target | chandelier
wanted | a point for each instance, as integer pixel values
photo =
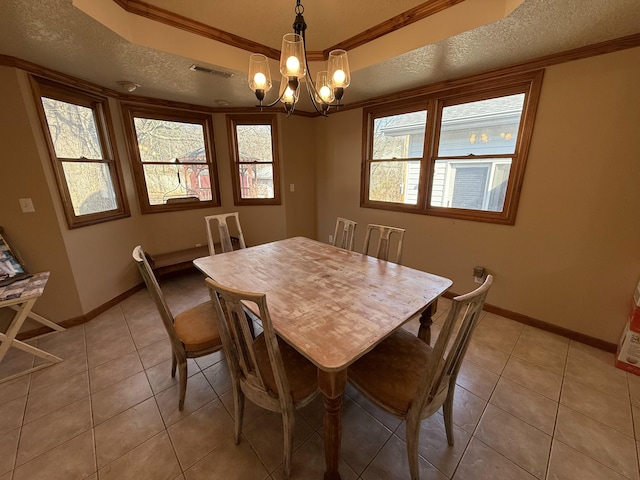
(329, 85)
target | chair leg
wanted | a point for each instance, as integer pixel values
(447, 410)
(238, 407)
(174, 364)
(182, 366)
(288, 424)
(413, 439)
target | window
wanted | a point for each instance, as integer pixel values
(78, 132)
(173, 158)
(254, 159)
(457, 153)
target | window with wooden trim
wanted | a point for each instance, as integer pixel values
(254, 159)
(458, 153)
(172, 157)
(79, 135)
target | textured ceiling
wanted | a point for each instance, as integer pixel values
(57, 35)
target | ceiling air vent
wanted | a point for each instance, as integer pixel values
(220, 73)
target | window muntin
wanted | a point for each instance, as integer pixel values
(172, 157)
(78, 133)
(254, 159)
(468, 164)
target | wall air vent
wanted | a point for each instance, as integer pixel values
(220, 73)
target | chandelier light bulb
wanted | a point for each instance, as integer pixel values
(293, 66)
(259, 80)
(325, 93)
(339, 77)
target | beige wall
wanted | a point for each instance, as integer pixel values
(572, 259)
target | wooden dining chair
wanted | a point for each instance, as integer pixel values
(385, 236)
(192, 333)
(226, 240)
(344, 233)
(266, 369)
(411, 380)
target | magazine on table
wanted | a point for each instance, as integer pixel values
(11, 266)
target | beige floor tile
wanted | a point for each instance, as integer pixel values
(73, 460)
(362, 436)
(199, 393)
(7, 476)
(15, 362)
(543, 350)
(534, 377)
(308, 462)
(153, 460)
(160, 375)
(598, 441)
(209, 360)
(481, 462)
(109, 350)
(530, 407)
(476, 379)
(146, 329)
(602, 377)
(54, 429)
(106, 327)
(219, 377)
(486, 356)
(608, 409)
(120, 396)
(12, 414)
(57, 395)
(590, 354)
(155, 353)
(314, 412)
(634, 389)
(521, 443)
(434, 447)
(65, 344)
(114, 371)
(392, 464)
(636, 421)
(56, 373)
(498, 332)
(251, 410)
(8, 450)
(127, 430)
(388, 420)
(467, 409)
(267, 438)
(569, 464)
(229, 461)
(13, 389)
(196, 435)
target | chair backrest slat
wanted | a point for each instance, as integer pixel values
(344, 233)
(384, 241)
(223, 222)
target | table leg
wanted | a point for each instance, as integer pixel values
(332, 386)
(426, 319)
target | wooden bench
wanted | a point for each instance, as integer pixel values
(178, 260)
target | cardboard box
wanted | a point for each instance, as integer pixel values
(628, 354)
(635, 310)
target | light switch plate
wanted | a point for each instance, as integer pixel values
(26, 204)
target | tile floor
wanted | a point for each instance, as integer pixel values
(529, 405)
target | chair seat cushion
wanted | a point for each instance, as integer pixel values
(197, 328)
(390, 373)
(301, 373)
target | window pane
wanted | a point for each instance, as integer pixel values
(90, 187)
(73, 129)
(256, 181)
(394, 182)
(487, 127)
(174, 181)
(166, 141)
(254, 144)
(472, 185)
(399, 136)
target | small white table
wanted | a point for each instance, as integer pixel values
(21, 296)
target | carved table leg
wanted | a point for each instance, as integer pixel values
(424, 332)
(332, 386)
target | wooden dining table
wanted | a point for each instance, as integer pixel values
(331, 305)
